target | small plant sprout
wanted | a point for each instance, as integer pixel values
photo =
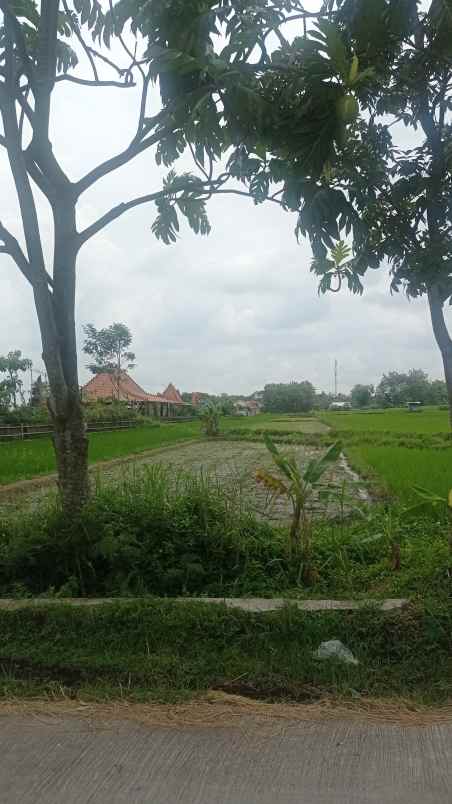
(299, 486)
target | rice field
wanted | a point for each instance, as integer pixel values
(399, 469)
(22, 460)
(398, 420)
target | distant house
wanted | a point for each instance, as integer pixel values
(247, 407)
(113, 387)
(198, 397)
(414, 406)
(340, 406)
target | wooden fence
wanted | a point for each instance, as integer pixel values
(22, 432)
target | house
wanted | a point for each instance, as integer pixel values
(340, 406)
(247, 407)
(113, 387)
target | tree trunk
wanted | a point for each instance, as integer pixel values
(71, 450)
(56, 314)
(443, 339)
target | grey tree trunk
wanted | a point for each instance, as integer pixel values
(71, 450)
(443, 339)
(57, 324)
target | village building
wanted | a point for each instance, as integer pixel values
(113, 387)
(247, 407)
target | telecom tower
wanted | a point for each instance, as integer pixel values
(335, 379)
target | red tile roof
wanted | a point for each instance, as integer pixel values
(106, 386)
(109, 386)
(172, 395)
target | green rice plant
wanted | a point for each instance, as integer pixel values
(429, 501)
(299, 487)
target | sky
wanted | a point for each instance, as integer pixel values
(225, 313)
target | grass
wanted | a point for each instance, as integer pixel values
(397, 420)
(164, 651)
(165, 534)
(20, 460)
(401, 468)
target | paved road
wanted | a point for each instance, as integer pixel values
(67, 760)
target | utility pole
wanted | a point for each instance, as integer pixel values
(335, 379)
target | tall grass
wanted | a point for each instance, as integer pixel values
(165, 534)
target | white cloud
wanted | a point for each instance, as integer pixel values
(225, 313)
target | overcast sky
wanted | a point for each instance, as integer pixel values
(229, 312)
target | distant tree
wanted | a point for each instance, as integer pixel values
(39, 393)
(438, 389)
(361, 395)
(398, 388)
(323, 401)
(13, 365)
(108, 347)
(293, 397)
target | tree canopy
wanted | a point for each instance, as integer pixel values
(13, 365)
(108, 347)
(397, 388)
(361, 395)
(292, 397)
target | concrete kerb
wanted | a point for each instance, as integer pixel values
(252, 604)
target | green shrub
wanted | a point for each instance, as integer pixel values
(161, 535)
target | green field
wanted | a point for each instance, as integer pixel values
(427, 420)
(20, 460)
(400, 468)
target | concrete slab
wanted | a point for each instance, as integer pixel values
(253, 604)
(50, 760)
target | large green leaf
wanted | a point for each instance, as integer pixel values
(316, 468)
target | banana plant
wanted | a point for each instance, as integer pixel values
(299, 487)
(210, 417)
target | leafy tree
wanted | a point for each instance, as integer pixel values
(13, 365)
(438, 391)
(39, 393)
(361, 395)
(172, 45)
(108, 348)
(293, 397)
(325, 117)
(396, 389)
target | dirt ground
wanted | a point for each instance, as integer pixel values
(233, 464)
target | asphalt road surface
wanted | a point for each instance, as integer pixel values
(71, 760)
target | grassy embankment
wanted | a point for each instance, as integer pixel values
(163, 651)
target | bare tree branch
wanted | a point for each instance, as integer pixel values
(86, 82)
(212, 187)
(135, 148)
(115, 213)
(45, 69)
(76, 28)
(132, 56)
(17, 161)
(144, 97)
(12, 247)
(97, 55)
